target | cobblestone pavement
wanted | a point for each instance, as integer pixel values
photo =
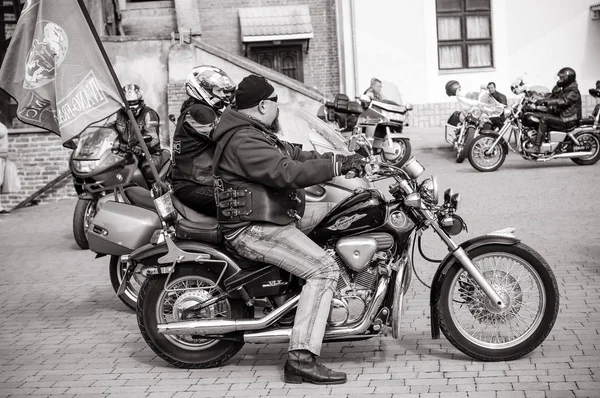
(64, 333)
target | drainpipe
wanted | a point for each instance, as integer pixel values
(345, 25)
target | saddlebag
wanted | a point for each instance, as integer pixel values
(119, 228)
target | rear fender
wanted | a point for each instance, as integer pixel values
(449, 261)
(502, 142)
(150, 256)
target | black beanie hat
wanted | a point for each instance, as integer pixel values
(251, 90)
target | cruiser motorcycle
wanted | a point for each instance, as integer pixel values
(493, 297)
(477, 111)
(382, 122)
(581, 143)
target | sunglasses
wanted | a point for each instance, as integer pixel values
(273, 98)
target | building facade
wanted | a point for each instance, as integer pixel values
(420, 45)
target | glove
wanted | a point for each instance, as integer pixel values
(355, 163)
(136, 150)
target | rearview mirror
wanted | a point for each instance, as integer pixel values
(365, 100)
(409, 107)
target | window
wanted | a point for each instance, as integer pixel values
(464, 32)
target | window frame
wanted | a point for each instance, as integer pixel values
(464, 42)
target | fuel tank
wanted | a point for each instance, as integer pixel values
(360, 212)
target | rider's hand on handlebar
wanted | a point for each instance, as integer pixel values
(136, 150)
(351, 166)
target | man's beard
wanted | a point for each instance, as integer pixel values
(275, 126)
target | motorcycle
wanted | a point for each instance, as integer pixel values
(478, 110)
(100, 164)
(492, 296)
(581, 143)
(124, 225)
(381, 121)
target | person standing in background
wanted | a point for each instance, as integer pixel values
(374, 91)
(498, 96)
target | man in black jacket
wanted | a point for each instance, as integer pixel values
(209, 89)
(259, 183)
(564, 104)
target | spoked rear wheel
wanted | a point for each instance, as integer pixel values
(483, 157)
(594, 142)
(189, 285)
(479, 329)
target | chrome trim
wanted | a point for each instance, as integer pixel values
(208, 327)
(283, 335)
(399, 291)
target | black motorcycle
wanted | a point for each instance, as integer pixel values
(101, 166)
(493, 297)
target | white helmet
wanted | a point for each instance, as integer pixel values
(209, 84)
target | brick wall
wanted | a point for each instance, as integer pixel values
(40, 158)
(221, 28)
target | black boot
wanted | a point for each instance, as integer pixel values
(302, 365)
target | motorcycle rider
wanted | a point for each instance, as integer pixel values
(148, 123)
(564, 104)
(209, 90)
(259, 183)
(374, 90)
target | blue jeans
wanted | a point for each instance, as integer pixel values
(288, 248)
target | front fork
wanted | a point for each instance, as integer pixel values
(462, 257)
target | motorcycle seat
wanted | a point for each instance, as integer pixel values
(140, 197)
(586, 121)
(315, 190)
(196, 226)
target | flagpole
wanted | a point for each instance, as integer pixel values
(133, 123)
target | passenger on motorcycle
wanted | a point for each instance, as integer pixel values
(374, 91)
(148, 123)
(564, 105)
(209, 90)
(259, 183)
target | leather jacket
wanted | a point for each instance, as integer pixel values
(566, 101)
(147, 121)
(258, 177)
(193, 148)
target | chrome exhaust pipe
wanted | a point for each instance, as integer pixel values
(283, 335)
(213, 326)
(568, 155)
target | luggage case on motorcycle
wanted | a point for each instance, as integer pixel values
(119, 228)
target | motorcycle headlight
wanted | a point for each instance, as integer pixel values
(84, 166)
(429, 190)
(476, 113)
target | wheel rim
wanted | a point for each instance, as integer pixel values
(481, 157)
(520, 287)
(401, 146)
(135, 282)
(171, 304)
(593, 141)
(88, 215)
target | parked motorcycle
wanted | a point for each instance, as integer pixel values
(581, 144)
(381, 121)
(493, 297)
(101, 165)
(477, 111)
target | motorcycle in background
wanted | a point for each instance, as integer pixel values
(382, 122)
(492, 296)
(101, 165)
(477, 111)
(581, 143)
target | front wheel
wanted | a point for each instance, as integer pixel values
(117, 272)
(481, 155)
(85, 210)
(189, 285)
(592, 140)
(526, 284)
(403, 150)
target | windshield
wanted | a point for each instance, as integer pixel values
(390, 93)
(322, 136)
(481, 99)
(94, 142)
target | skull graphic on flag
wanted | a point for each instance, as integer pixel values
(46, 54)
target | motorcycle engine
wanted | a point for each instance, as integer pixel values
(353, 294)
